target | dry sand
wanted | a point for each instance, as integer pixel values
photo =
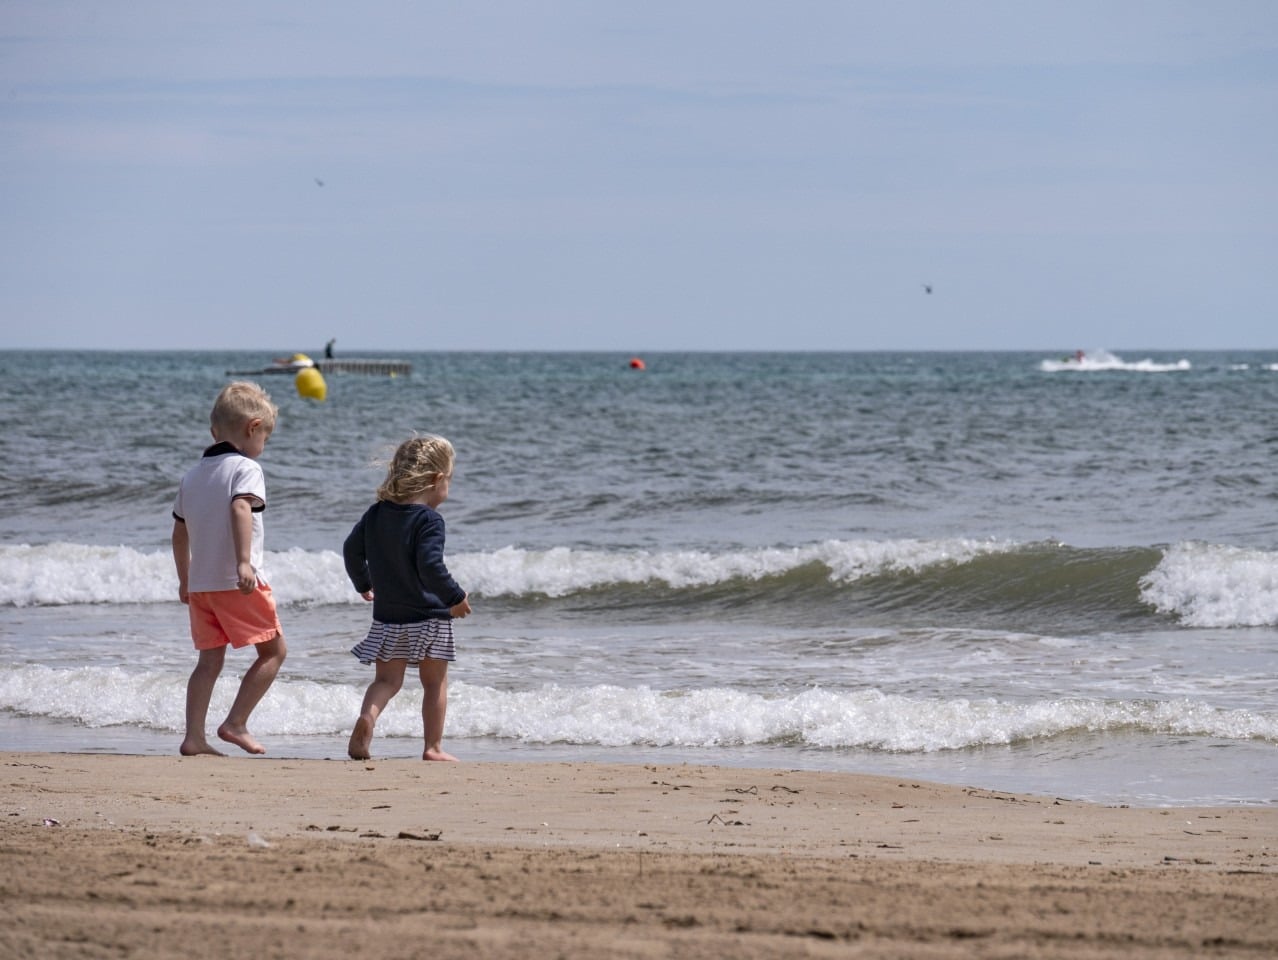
(121, 856)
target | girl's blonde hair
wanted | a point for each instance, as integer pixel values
(240, 402)
(416, 467)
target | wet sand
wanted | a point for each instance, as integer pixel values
(214, 857)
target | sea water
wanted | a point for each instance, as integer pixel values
(1013, 570)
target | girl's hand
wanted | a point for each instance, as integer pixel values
(460, 610)
(367, 594)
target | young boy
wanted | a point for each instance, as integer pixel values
(217, 546)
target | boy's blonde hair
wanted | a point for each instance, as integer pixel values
(416, 467)
(240, 402)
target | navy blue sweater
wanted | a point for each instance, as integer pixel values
(397, 551)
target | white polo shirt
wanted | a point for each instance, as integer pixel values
(204, 504)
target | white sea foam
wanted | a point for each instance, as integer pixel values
(106, 696)
(67, 573)
(63, 573)
(561, 571)
(613, 716)
(1102, 360)
(58, 574)
(1209, 585)
(1204, 585)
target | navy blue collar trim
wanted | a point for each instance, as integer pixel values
(218, 449)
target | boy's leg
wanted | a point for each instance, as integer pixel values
(386, 683)
(199, 691)
(434, 706)
(257, 680)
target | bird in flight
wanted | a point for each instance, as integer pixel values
(927, 288)
(319, 182)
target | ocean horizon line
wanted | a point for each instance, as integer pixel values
(352, 352)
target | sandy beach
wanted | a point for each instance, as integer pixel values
(210, 857)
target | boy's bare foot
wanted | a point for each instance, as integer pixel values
(361, 742)
(438, 755)
(240, 737)
(194, 748)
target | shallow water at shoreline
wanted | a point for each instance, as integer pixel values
(1095, 769)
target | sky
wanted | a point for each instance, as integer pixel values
(564, 175)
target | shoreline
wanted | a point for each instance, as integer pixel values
(1100, 769)
(517, 859)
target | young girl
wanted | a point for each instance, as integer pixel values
(395, 558)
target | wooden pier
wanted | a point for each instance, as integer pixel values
(370, 367)
(385, 368)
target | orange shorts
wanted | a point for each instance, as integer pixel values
(221, 617)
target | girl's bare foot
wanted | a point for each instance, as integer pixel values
(361, 742)
(240, 737)
(194, 748)
(438, 755)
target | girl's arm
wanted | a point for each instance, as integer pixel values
(355, 559)
(431, 568)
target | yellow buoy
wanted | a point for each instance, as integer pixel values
(310, 383)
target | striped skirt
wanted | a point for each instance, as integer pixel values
(414, 642)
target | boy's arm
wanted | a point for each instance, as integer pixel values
(182, 557)
(242, 536)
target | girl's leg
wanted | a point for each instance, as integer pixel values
(199, 691)
(434, 675)
(386, 683)
(257, 680)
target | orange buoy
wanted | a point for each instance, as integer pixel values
(636, 364)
